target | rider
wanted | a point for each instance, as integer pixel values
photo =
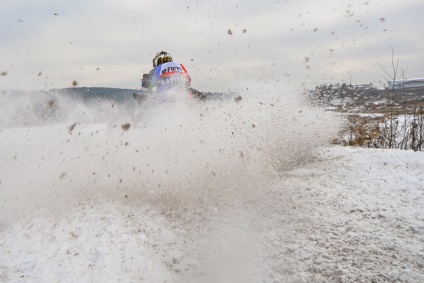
(165, 74)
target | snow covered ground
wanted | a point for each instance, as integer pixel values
(221, 192)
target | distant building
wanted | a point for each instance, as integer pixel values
(361, 86)
(406, 84)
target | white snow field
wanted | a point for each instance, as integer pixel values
(248, 191)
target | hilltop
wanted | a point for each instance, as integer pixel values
(372, 100)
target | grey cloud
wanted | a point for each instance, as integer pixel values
(121, 39)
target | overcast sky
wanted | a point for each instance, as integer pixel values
(50, 43)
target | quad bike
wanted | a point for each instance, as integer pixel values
(167, 86)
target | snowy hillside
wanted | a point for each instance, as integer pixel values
(247, 191)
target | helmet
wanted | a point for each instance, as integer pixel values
(161, 57)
